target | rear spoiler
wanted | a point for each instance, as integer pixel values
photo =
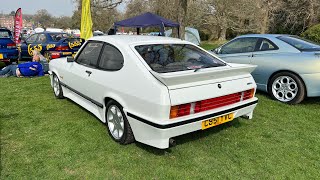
(177, 78)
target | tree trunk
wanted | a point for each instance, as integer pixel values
(181, 16)
(223, 33)
(264, 23)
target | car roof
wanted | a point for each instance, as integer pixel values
(263, 35)
(137, 39)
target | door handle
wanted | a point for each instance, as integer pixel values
(88, 72)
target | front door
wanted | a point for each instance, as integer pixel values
(239, 50)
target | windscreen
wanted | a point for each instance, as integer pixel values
(300, 44)
(164, 58)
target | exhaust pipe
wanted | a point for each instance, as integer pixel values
(172, 142)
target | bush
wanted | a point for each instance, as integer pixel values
(312, 33)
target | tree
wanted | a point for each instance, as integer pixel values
(12, 13)
(44, 18)
(62, 22)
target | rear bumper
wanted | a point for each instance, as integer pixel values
(9, 55)
(312, 82)
(158, 135)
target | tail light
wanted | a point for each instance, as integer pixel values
(55, 55)
(62, 48)
(209, 104)
(11, 46)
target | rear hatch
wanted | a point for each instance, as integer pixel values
(186, 87)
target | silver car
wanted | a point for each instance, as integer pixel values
(288, 66)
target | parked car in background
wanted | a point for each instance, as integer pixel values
(151, 89)
(51, 44)
(8, 49)
(288, 66)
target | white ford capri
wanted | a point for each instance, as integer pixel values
(152, 89)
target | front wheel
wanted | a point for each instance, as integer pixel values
(118, 126)
(57, 90)
(287, 87)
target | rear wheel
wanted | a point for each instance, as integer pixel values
(57, 90)
(287, 87)
(118, 126)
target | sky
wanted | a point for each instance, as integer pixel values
(54, 7)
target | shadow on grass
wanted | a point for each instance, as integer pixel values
(195, 136)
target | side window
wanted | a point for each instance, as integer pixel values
(240, 45)
(90, 54)
(32, 38)
(42, 38)
(267, 45)
(111, 58)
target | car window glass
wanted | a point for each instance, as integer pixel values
(90, 54)
(58, 36)
(111, 58)
(42, 38)
(5, 34)
(164, 58)
(300, 44)
(240, 45)
(266, 45)
(32, 38)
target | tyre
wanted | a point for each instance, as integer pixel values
(57, 90)
(287, 87)
(117, 124)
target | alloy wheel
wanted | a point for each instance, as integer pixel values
(284, 88)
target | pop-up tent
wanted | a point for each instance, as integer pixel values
(146, 20)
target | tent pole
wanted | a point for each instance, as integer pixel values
(179, 32)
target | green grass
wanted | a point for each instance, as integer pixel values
(46, 138)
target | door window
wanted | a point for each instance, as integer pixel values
(267, 45)
(90, 54)
(111, 58)
(32, 38)
(240, 45)
(42, 38)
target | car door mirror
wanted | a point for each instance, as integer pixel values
(216, 51)
(70, 59)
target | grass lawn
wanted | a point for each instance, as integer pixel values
(46, 138)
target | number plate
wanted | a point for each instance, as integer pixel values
(1, 56)
(217, 121)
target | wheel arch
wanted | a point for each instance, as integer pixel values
(287, 71)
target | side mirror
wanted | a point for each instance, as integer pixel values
(216, 51)
(70, 59)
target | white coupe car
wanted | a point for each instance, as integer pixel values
(151, 89)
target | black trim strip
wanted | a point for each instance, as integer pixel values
(82, 95)
(190, 120)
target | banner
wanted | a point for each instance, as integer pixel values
(17, 25)
(86, 22)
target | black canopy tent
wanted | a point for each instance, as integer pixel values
(146, 20)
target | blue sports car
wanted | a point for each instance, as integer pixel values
(288, 66)
(51, 44)
(8, 49)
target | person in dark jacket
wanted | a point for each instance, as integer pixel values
(27, 69)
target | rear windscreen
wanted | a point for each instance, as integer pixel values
(5, 34)
(164, 58)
